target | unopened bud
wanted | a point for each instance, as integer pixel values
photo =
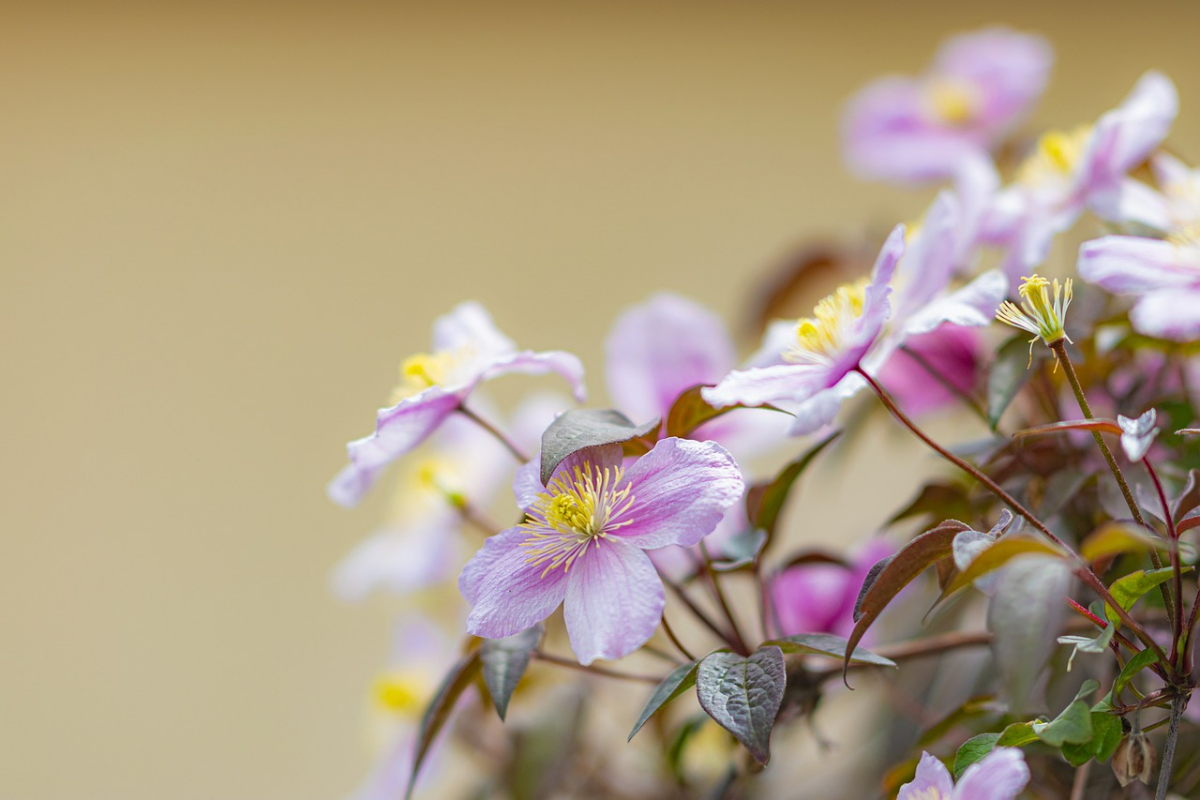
(1134, 758)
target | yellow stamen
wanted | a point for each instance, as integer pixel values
(421, 371)
(1043, 310)
(822, 336)
(578, 509)
(954, 102)
(1055, 157)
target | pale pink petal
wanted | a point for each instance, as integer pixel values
(1000, 775)
(756, 387)
(1127, 135)
(932, 780)
(1172, 314)
(469, 327)
(876, 305)
(528, 362)
(614, 601)
(527, 484)
(506, 592)
(397, 430)
(929, 260)
(779, 336)
(972, 306)
(1134, 264)
(822, 408)
(1131, 201)
(681, 490)
(398, 560)
(658, 349)
(955, 352)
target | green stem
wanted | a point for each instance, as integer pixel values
(1060, 351)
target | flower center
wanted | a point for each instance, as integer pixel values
(1055, 156)
(578, 508)
(823, 336)
(1187, 236)
(402, 693)
(954, 102)
(1043, 310)
(423, 370)
(931, 793)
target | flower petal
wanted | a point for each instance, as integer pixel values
(931, 781)
(398, 560)
(527, 362)
(681, 490)
(822, 408)
(1000, 775)
(614, 601)
(1134, 264)
(1007, 68)
(469, 327)
(755, 387)
(1171, 314)
(658, 349)
(397, 430)
(972, 306)
(508, 594)
(1127, 135)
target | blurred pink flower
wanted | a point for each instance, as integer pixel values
(819, 597)
(1000, 775)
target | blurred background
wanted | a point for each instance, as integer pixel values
(223, 225)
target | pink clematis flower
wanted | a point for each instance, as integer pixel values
(467, 350)
(1000, 775)
(809, 368)
(460, 465)
(956, 353)
(981, 84)
(1164, 275)
(1173, 208)
(819, 598)
(584, 540)
(1069, 171)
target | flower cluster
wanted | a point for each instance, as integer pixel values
(666, 532)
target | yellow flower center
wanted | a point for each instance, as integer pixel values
(1055, 156)
(954, 102)
(1043, 310)
(932, 793)
(1187, 236)
(402, 693)
(823, 335)
(423, 370)
(577, 510)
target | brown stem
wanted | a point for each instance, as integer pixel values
(517, 453)
(1164, 772)
(1177, 573)
(698, 612)
(946, 383)
(607, 673)
(723, 601)
(675, 639)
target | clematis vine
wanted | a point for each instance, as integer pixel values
(467, 350)
(980, 86)
(584, 540)
(1000, 775)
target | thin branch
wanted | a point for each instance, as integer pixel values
(602, 671)
(517, 453)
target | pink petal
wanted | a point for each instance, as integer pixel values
(398, 560)
(658, 349)
(397, 430)
(507, 593)
(1008, 69)
(972, 306)
(614, 601)
(755, 387)
(681, 490)
(822, 408)
(1172, 314)
(469, 326)
(932, 780)
(1134, 264)
(1127, 135)
(1000, 775)
(528, 362)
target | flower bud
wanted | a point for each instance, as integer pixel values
(1134, 758)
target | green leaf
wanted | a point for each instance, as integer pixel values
(460, 676)
(973, 750)
(1107, 734)
(578, 428)
(1132, 667)
(679, 742)
(1115, 538)
(827, 644)
(1083, 644)
(741, 549)
(1026, 610)
(1016, 735)
(764, 502)
(504, 662)
(943, 499)
(896, 573)
(1129, 589)
(743, 695)
(679, 681)
(1073, 725)
(1009, 372)
(690, 411)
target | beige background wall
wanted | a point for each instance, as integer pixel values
(222, 227)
